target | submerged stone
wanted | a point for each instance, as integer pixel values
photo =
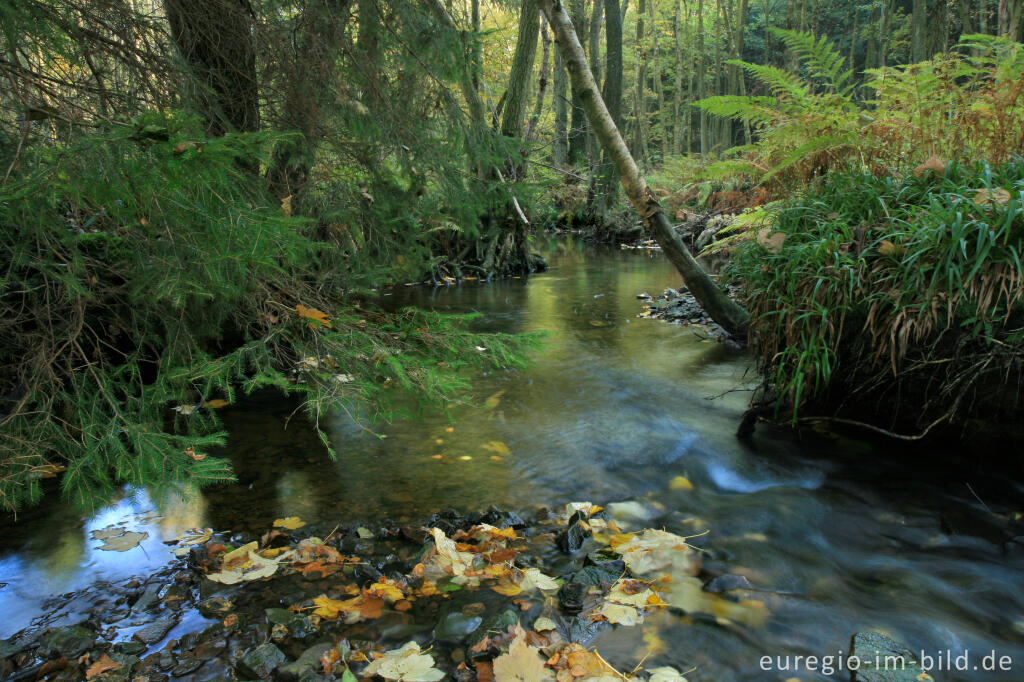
(456, 626)
(215, 607)
(260, 663)
(729, 581)
(71, 641)
(307, 662)
(155, 631)
(884, 660)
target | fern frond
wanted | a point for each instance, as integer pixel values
(821, 56)
(755, 110)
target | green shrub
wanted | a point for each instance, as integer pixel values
(882, 283)
(144, 274)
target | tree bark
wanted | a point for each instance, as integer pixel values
(612, 90)
(719, 306)
(578, 123)
(677, 93)
(542, 83)
(640, 130)
(522, 70)
(560, 148)
(215, 38)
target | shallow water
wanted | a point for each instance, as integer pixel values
(840, 535)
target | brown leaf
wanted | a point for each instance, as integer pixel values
(933, 164)
(101, 666)
(484, 671)
(887, 248)
(313, 314)
(771, 242)
(500, 555)
(183, 147)
(216, 403)
(197, 456)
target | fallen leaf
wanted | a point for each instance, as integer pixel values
(101, 666)
(216, 403)
(289, 523)
(286, 206)
(887, 248)
(771, 242)
(657, 550)
(497, 447)
(406, 664)
(619, 614)
(123, 542)
(493, 401)
(984, 197)
(933, 164)
(197, 456)
(522, 663)
(543, 624)
(313, 314)
(665, 674)
(680, 483)
(195, 536)
(47, 470)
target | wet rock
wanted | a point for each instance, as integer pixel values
(871, 646)
(729, 581)
(502, 519)
(456, 626)
(9, 648)
(174, 596)
(260, 663)
(123, 671)
(606, 559)
(187, 666)
(571, 539)
(215, 607)
(155, 631)
(307, 662)
(131, 648)
(165, 662)
(499, 622)
(571, 596)
(150, 598)
(644, 296)
(70, 642)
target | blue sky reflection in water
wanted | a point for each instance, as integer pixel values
(838, 534)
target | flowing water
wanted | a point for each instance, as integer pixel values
(838, 535)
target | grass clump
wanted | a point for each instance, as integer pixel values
(899, 296)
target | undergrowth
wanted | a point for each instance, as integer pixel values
(146, 275)
(890, 291)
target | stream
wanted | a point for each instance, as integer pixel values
(837, 535)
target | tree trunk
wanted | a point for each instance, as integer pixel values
(677, 93)
(659, 84)
(612, 90)
(542, 83)
(640, 130)
(522, 70)
(918, 17)
(701, 73)
(578, 123)
(215, 39)
(719, 306)
(560, 148)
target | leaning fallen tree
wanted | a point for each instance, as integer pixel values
(722, 309)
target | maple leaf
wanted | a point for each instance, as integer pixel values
(522, 663)
(101, 666)
(313, 314)
(290, 523)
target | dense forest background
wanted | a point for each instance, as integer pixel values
(199, 196)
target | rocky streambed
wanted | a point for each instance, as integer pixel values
(491, 596)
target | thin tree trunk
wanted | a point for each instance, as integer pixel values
(918, 17)
(701, 73)
(560, 148)
(659, 84)
(719, 306)
(542, 83)
(578, 123)
(677, 93)
(640, 146)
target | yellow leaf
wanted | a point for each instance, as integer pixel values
(680, 483)
(290, 523)
(216, 403)
(286, 206)
(388, 591)
(313, 314)
(887, 248)
(509, 589)
(984, 197)
(494, 400)
(496, 446)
